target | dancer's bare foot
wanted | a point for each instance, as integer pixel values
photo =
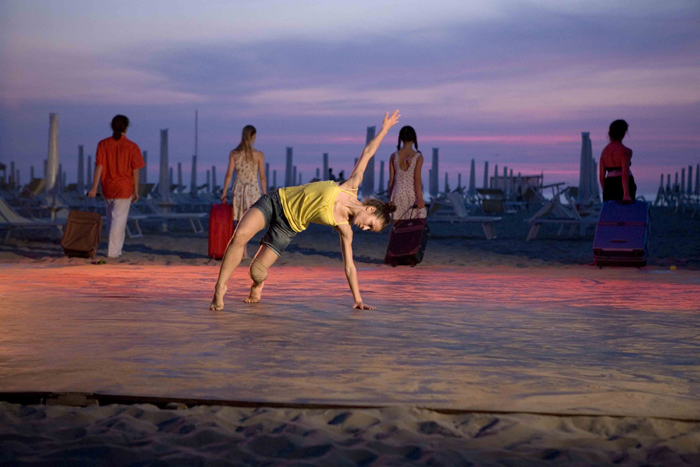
(255, 293)
(217, 303)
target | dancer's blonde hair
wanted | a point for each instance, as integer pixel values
(246, 144)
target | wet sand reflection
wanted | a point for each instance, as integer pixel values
(576, 340)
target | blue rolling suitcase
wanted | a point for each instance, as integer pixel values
(621, 234)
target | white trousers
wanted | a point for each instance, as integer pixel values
(117, 215)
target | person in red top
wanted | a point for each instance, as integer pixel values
(117, 165)
(615, 176)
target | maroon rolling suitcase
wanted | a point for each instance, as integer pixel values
(82, 234)
(220, 229)
(407, 241)
(621, 234)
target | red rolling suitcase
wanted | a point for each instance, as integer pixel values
(407, 241)
(82, 234)
(220, 229)
(621, 234)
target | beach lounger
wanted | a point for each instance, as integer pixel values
(10, 220)
(460, 214)
(161, 212)
(492, 200)
(33, 188)
(145, 189)
(133, 231)
(556, 213)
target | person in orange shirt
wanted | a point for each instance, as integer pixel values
(117, 165)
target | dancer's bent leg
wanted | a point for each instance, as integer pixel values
(245, 247)
(263, 260)
(252, 222)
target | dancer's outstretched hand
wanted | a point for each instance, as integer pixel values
(390, 121)
(363, 306)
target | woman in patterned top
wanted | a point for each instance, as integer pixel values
(405, 183)
(248, 162)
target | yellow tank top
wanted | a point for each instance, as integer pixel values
(310, 203)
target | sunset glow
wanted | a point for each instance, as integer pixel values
(509, 82)
(549, 340)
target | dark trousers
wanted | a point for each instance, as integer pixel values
(612, 189)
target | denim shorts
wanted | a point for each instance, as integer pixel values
(279, 233)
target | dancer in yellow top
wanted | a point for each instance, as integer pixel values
(290, 210)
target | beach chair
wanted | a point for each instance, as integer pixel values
(33, 188)
(66, 202)
(161, 212)
(134, 218)
(694, 205)
(492, 200)
(460, 214)
(581, 211)
(53, 207)
(10, 220)
(556, 213)
(145, 189)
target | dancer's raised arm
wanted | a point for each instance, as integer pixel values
(355, 179)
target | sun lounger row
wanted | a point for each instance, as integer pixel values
(10, 221)
(554, 212)
(459, 213)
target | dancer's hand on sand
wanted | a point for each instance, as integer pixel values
(134, 196)
(390, 121)
(363, 306)
(92, 193)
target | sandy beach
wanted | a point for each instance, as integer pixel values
(509, 122)
(506, 352)
(218, 435)
(674, 241)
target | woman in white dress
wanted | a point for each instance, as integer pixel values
(248, 162)
(405, 183)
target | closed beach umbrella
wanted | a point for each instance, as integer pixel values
(81, 169)
(289, 168)
(193, 176)
(472, 179)
(52, 163)
(164, 179)
(368, 180)
(584, 184)
(595, 189)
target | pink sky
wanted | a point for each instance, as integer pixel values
(512, 82)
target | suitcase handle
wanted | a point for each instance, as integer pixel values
(411, 209)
